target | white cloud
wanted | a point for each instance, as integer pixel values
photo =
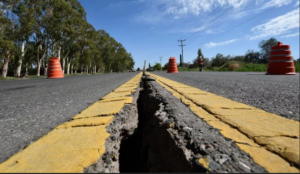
(297, 3)
(148, 18)
(140, 1)
(117, 4)
(214, 44)
(290, 35)
(180, 8)
(258, 2)
(195, 7)
(277, 26)
(209, 31)
(273, 3)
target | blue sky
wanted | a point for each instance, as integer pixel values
(150, 29)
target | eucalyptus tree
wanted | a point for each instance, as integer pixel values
(84, 43)
(47, 28)
(41, 28)
(25, 11)
(30, 55)
(7, 31)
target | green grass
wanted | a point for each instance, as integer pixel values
(187, 69)
(297, 67)
(253, 68)
(34, 76)
(243, 67)
(9, 78)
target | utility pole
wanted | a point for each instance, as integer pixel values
(144, 67)
(160, 63)
(181, 48)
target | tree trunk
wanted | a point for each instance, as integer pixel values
(5, 65)
(26, 69)
(58, 52)
(21, 59)
(91, 69)
(87, 69)
(95, 71)
(68, 68)
(46, 68)
(38, 67)
(81, 69)
(64, 63)
(38, 60)
(72, 69)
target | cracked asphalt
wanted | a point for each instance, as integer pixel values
(278, 94)
(31, 108)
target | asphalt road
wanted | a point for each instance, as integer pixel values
(278, 94)
(31, 108)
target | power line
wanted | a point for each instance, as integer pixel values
(181, 61)
(201, 22)
(226, 18)
(212, 21)
(160, 62)
(237, 25)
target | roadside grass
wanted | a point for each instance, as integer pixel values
(9, 78)
(297, 66)
(35, 77)
(237, 67)
(187, 69)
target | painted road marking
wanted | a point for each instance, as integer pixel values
(272, 141)
(73, 146)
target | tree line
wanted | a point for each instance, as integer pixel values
(33, 31)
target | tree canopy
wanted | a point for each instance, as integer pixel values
(32, 31)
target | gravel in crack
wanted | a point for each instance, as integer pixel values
(199, 139)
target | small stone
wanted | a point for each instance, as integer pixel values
(187, 129)
(213, 165)
(113, 138)
(176, 126)
(169, 123)
(107, 161)
(182, 134)
(208, 164)
(114, 158)
(200, 137)
(221, 158)
(106, 170)
(244, 166)
(209, 147)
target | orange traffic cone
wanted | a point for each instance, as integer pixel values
(172, 66)
(54, 69)
(281, 61)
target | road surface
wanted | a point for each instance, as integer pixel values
(278, 94)
(31, 108)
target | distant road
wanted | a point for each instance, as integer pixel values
(278, 94)
(31, 108)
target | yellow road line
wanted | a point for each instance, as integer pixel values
(271, 140)
(74, 145)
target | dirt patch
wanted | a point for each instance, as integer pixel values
(234, 66)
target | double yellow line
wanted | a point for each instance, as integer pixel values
(271, 140)
(75, 145)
